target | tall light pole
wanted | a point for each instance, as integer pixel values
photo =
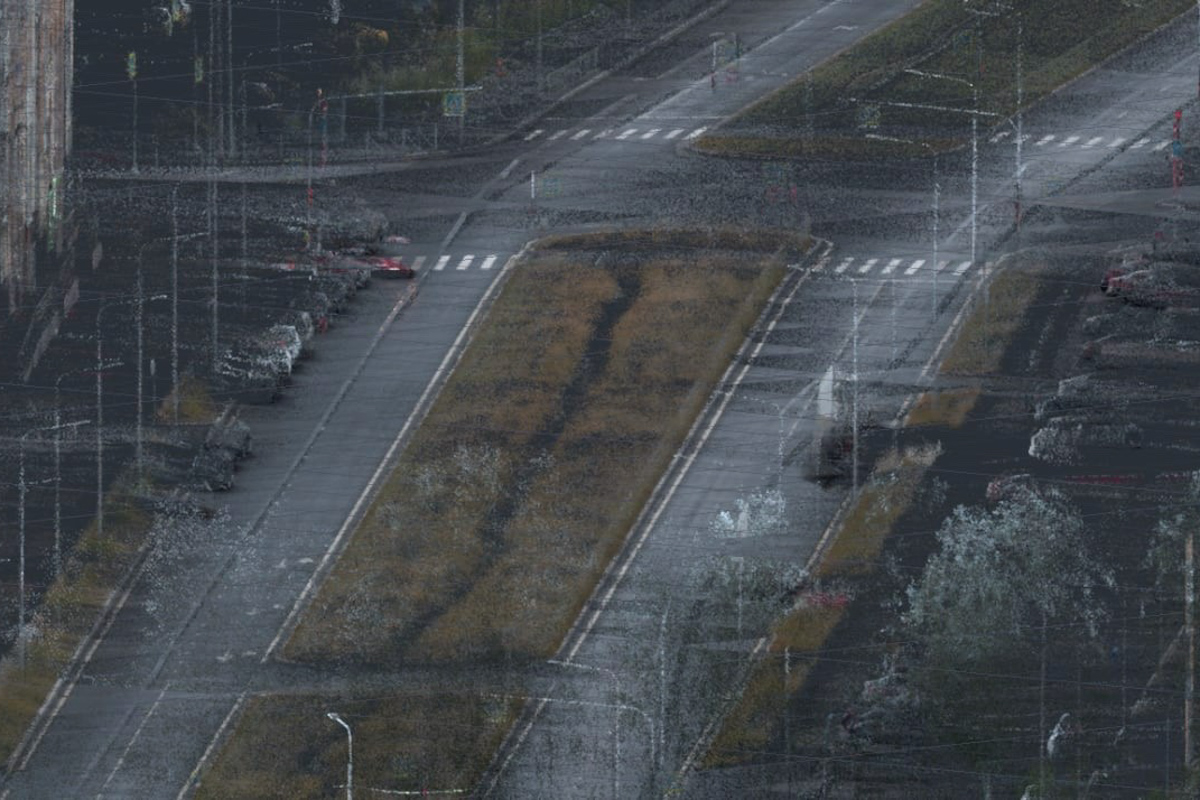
(974, 147)
(460, 72)
(349, 753)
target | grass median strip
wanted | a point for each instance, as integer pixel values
(525, 477)
(828, 112)
(985, 335)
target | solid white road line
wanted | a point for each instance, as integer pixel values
(627, 134)
(916, 265)
(211, 745)
(557, 134)
(466, 262)
(1161, 145)
(695, 133)
(961, 268)
(581, 134)
(891, 265)
(418, 262)
(865, 268)
(1070, 140)
(650, 133)
(488, 262)
(441, 263)
(840, 268)
(1049, 137)
(509, 168)
(1139, 143)
(534, 135)
(675, 133)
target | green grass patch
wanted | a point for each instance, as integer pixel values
(846, 97)
(195, 402)
(67, 612)
(798, 638)
(285, 747)
(539, 453)
(949, 407)
(987, 331)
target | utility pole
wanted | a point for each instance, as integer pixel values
(1189, 590)
(229, 77)
(175, 302)
(459, 70)
(854, 378)
(540, 87)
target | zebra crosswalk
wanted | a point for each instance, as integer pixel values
(455, 263)
(1052, 140)
(856, 266)
(625, 134)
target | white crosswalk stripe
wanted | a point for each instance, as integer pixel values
(1161, 146)
(961, 268)
(441, 263)
(534, 135)
(581, 134)
(488, 262)
(1049, 137)
(941, 265)
(840, 268)
(418, 262)
(557, 134)
(866, 267)
(1139, 143)
(627, 134)
(603, 134)
(999, 136)
(696, 133)
(466, 262)
(1070, 140)
(675, 133)
(916, 265)
(1116, 142)
(650, 133)
(1093, 141)
(891, 265)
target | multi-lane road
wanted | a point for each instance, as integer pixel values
(644, 672)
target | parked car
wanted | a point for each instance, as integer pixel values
(1155, 287)
(389, 267)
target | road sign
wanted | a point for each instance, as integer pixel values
(131, 64)
(1177, 149)
(454, 104)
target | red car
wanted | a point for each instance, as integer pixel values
(388, 267)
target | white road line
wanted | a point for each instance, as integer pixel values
(488, 262)
(602, 134)
(1139, 143)
(557, 134)
(650, 133)
(441, 263)
(509, 168)
(961, 268)
(695, 133)
(999, 136)
(627, 133)
(190, 782)
(840, 268)
(1068, 141)
(1049, 137)
(675, 133)
(891, 265)
(865, 268)
(1161, 146)
(466, 262)
(581, 134)
(133, 739)
(941, 265)
(1093, 141)
(418, 262)
(534, 135)
(916, 265)
(1116, 142)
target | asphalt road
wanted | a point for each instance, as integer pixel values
(191, 637)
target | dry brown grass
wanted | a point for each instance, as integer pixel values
(459, 563)
(195, 402)
(983, 338)
(285, 747)
(949, 407)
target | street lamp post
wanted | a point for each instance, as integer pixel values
(349, 753)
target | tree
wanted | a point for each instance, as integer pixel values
(1002, 573)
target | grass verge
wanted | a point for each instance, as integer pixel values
(285, 747)
(801, 634)
(536, 458)
(949, 408)
(815, 115)
(67, 613)
(984, 336)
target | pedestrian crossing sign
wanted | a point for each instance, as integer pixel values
(454, 104)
